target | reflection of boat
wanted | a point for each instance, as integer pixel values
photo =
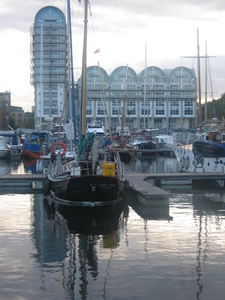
(91, 220)
(5, 167)
(87, 180)
(30, 165)
(36, 144)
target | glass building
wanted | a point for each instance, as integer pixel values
(49, 61)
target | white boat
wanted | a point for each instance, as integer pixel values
(13, 144)
(4, 150)
(207, 152)
(96, 128)
(165, 141)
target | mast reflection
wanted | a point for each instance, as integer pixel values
(79, 232)
(205, 211)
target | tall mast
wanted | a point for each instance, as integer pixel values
(41, 83)
(205, 81)
(124, 102)
(145, 81)
(84, 70)
(199, 83)
(70, 52)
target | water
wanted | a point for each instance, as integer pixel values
(121, 252)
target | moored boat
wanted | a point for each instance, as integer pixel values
(207, 152)
(37, 144)
(4, 151)
(86, 180)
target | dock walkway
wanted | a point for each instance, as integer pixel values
(148, 194)
(22, 180)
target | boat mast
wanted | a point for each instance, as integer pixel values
(199, 83)
(70, 51)
(41, 89)
(145, 82)
(205, 81)
(84, 70)
(124, 102)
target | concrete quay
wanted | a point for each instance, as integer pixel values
(147, 193)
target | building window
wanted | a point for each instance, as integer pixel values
(172, 124)
(157, 123)
(116, 108)
(101, 111)
(174, 108)
(131, 108)
(46, 111)
(54, 111)
(89, 108)
(159, 108)
(147, 108)
(188, 108)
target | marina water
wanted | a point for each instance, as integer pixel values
(125, 251)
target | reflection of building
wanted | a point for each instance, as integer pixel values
(48, 63)
(168, 97)
(5, 103)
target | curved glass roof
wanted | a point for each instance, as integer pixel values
(50, 13)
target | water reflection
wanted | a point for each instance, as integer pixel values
(205, 212)
(68, 237)
(146, 212)
(8, 166)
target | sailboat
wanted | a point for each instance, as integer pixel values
(86, 181)
(122, 145)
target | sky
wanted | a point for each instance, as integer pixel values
(133, 33)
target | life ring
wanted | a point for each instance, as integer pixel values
(64, 149)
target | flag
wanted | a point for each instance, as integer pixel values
(97, 51)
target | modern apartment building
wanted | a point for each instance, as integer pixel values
(49, 55)
(154, 98)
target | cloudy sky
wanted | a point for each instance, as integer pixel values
(121, 29)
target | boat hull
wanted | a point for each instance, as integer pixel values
(4, 153)
(208, 148)
(189, 162)
(31, 154)
(92, 190)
